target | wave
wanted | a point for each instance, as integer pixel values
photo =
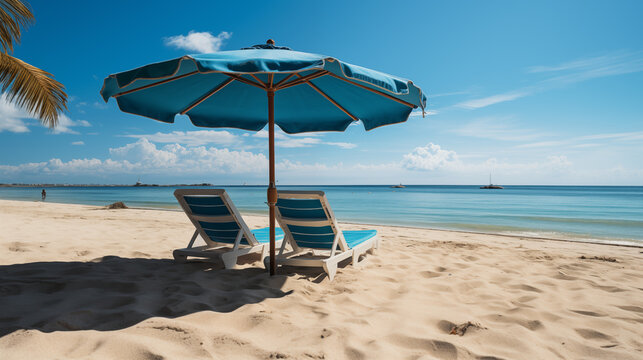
(612, 222)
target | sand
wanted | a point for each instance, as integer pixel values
(82, 282)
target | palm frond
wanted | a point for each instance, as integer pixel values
(33, 89)
(13, 16)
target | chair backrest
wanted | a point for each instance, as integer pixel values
(308, 220)
(214, 216)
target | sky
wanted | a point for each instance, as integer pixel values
(542, 93)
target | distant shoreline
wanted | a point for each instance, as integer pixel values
(18, 185)
(102, 185)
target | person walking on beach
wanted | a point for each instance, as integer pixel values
(44, 194)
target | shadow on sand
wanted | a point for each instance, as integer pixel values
(112, 293)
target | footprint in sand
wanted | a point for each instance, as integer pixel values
(437, 348)
(527, 298)
(637, 309)
(590, 334)
(527, 288)
(588, 313)
(446, 326)
(18, 247)
(429, 274)
(352, 353)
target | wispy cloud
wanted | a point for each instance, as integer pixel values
(580, 141)
(202, 42)
(65, 125)
(343, 145)
(564, 74)
(491, 100)
(498, 128)
(190, 138)
(435, 158)
(78, 143)
(418, 113)
(12, 118)
(448, 94)
(301, 140)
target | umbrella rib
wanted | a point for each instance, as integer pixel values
(329, 98)
(156, 84)
(245, 81)
(206, 96)
(283, 80)
(373, 90)
(259, 81)
(303, 79)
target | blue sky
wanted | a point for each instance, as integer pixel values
(545, 92)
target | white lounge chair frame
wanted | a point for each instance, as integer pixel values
(214, 249)
(327, 259)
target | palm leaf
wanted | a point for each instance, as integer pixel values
(13, 15)
(33, 89)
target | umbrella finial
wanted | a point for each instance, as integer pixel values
(270, 42)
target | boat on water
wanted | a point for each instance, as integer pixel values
(491, 185)
(398, 186)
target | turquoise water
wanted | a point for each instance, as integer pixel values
(584, 213)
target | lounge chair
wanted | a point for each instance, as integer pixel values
(220, 225)
(314, 235)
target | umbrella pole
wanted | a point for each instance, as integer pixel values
(272, 189)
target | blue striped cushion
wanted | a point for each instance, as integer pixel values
(222, 232)
(211, 205)
(301, 208)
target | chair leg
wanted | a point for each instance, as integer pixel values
(330, 268)
(179, 258)
(264, 252)
(355, 258)
(229, 260)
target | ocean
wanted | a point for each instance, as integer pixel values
(609, 214)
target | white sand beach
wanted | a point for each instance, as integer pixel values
(82, 282)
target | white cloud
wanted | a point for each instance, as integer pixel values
(343, 145)
(447, 94)
(189, 160)
(14, 125)
(491, 100)
(418, 113)
(191, 138)
(497, 128)
(301, 140)
(12, 118)
(434, 158)
(577, 142)
(567, 73)
(143, 157)
(263, 134)
(429, 157)
(298, 142)
(202, 42)
(78, 143)
(65, 124)
(100, 105)
(611, 64)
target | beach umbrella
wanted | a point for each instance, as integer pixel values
(265, 85)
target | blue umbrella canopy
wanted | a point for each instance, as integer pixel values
(228, 89)
(241, 89)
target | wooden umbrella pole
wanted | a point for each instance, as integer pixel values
(272, 189)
